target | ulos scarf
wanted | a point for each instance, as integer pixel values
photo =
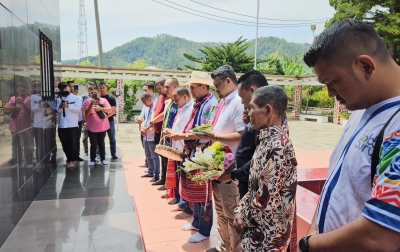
(170, 179)
(196, 109)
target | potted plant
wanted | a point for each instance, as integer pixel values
(344, 117)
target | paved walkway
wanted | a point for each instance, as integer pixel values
(110, 208)
(313, 143)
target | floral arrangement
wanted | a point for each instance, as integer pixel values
(210, 163)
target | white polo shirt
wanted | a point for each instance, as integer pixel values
(230, 118)
(181, 120)
(347, 194)
(71, 113)
(38, 112)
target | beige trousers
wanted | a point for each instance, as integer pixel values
(226, 197)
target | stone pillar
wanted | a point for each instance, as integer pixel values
(120, 100)
(336, 110)
(297, 102)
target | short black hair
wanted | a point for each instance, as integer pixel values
(342, 42)
(70, 81)
(145, 96)
(101, 83)
(161, 81)
(272, 95)
(182, 91)
(149, 85)
(223, 72)
(62, 85)
(252, 77)
(174, 81)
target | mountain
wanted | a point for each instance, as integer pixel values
(166, 51)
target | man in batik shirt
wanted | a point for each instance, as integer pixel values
(265, 214)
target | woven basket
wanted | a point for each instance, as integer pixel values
(169, 152)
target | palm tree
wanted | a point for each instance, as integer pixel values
(231, 53)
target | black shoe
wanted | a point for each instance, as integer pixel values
(161, 188)
(147, 176)
(212, 250)
(159, 182)
(163, 196)
(153, 179)
(86, 153)
(114, 157)
(173, 201)
(79, 159)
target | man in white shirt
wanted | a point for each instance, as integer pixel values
(359, 207)
(180, 97)
(69, 108)
(148, 88)
(73, 89)
(228, 127)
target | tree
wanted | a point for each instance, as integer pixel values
(273, 65)
(231, 53)
(138, 64)
(384, 15)
(85, 63)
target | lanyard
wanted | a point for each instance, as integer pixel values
(166, 117)
(148, 116)
(198, 116)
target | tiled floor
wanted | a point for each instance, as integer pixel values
(161, 231)
(112, 209)
(85, 209)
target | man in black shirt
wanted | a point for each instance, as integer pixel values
(111, 130)
(248, 82)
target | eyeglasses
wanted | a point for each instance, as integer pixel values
(192, 88)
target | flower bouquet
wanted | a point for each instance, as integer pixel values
(211, 163)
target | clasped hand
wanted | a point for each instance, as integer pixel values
(173, 135)
(238, 223)
(207, 136)
(97, 108)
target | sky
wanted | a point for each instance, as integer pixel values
(122, 21)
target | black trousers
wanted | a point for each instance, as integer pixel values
(68, 138)
(78, 143)
(97, 139)
(177, 173)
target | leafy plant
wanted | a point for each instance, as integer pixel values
(233, 54)
(345, 115)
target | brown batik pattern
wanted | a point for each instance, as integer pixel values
(267, 210)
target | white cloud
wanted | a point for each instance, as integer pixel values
(124, 20)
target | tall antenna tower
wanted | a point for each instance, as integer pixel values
(82, 36)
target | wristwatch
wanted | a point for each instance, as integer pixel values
(303, 244)
(187, 137)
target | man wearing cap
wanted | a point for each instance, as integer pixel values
(200, 196)
(227, 128)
